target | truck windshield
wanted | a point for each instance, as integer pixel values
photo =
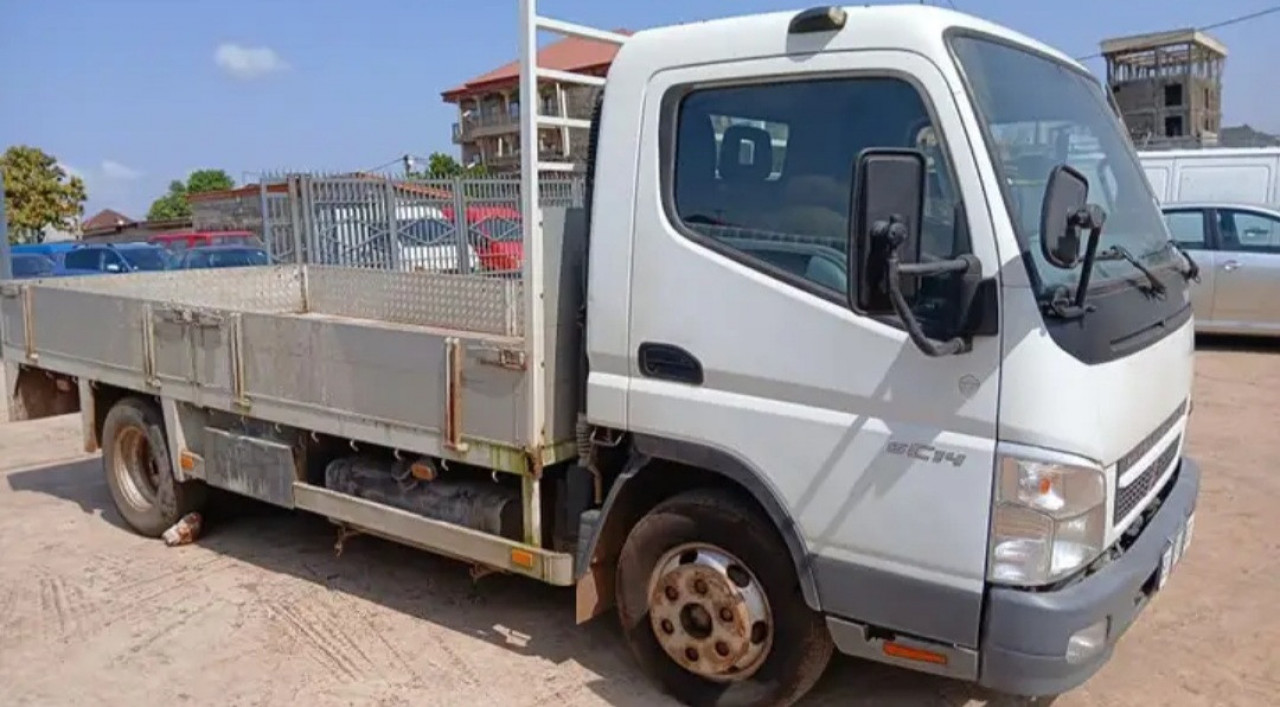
(1038, 113)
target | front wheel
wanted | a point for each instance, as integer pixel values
(710, 603)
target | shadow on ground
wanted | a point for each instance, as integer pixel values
(1242, 344)
(522, 615)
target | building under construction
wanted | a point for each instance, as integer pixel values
(1168, 86)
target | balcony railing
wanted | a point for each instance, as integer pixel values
(512, 159)
(498, 121)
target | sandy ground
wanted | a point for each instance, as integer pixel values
(262, 612)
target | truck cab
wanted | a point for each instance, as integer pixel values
(972, 449)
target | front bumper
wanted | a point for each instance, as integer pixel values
(1025, 634)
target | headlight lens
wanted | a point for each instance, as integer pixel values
(1049, 521)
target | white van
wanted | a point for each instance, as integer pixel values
(1247, 174)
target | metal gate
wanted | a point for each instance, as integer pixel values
(459, 225)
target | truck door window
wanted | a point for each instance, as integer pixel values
(764, 172)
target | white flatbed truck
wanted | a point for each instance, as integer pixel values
(868, 365)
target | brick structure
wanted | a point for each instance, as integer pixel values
(1168, 86)
(488, 127)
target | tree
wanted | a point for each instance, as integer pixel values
(38, 193)
(443, 166)
(174, 204)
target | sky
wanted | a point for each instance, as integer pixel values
(131, 94)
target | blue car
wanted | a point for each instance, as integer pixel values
(53, 251)
(222, 256)
(27, 266)
(115, 258)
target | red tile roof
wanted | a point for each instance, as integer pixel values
(568, 54)
(106, 218)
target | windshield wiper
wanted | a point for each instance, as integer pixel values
(1193, 269)
(1117, 252)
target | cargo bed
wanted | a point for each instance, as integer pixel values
(415, 361)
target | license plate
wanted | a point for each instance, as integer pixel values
(1175, 551)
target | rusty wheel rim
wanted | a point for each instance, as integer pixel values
(135, 468)
(710, 613)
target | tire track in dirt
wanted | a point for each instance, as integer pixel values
(47, 609)
(323, 638)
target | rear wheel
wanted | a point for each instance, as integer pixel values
(135, 457)
(710, 604)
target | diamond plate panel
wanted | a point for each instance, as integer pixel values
(473, 303)
(258, 289)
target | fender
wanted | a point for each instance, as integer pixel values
(645, 449)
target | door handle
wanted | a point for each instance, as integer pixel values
(669, 362)
(1231, 265)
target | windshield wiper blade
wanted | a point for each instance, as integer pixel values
(1117, 252)
(1193, 268)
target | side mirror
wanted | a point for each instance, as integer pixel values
(1065, 194)
(888, 189)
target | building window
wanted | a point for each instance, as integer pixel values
(1173, 95)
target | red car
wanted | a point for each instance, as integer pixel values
(195, 239)
(496, 236)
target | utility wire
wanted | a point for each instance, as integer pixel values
(1225, 23)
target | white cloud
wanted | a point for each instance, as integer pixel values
(115, 171)
(248, 62)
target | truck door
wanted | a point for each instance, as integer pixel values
(743, 342)
(1246, 291)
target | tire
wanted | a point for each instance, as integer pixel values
(135, 457)
(772, 667)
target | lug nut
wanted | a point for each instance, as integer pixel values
(722, 648)
(726, 615)
(672, 593)
(668, 627)
(700, 586)
(691, 654)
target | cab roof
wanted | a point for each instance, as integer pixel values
(918, 28)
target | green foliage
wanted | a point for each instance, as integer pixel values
(174, 204)
(443, 166)
(38, 193)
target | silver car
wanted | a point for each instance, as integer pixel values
(1238, 249)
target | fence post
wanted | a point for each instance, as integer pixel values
(393, 226)
(6, 262)
(460, 226)
(294, 184)
(267, 233)
(315, 255)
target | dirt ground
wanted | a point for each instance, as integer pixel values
(262, 612)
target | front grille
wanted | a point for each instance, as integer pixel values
(1128, 460)
(1141, 485)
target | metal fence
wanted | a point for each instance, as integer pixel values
(460, 225)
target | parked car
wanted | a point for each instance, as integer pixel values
(222, 256)
(499, 243)
(32, 265)
(53, 251)
(1237, 246)
(178, 242)
(431, 244)
(91, 259)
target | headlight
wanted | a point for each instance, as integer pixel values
(1049, 520)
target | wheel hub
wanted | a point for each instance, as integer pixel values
(709, 613)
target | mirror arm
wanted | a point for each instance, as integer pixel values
(1091, 217)
(894, 234)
